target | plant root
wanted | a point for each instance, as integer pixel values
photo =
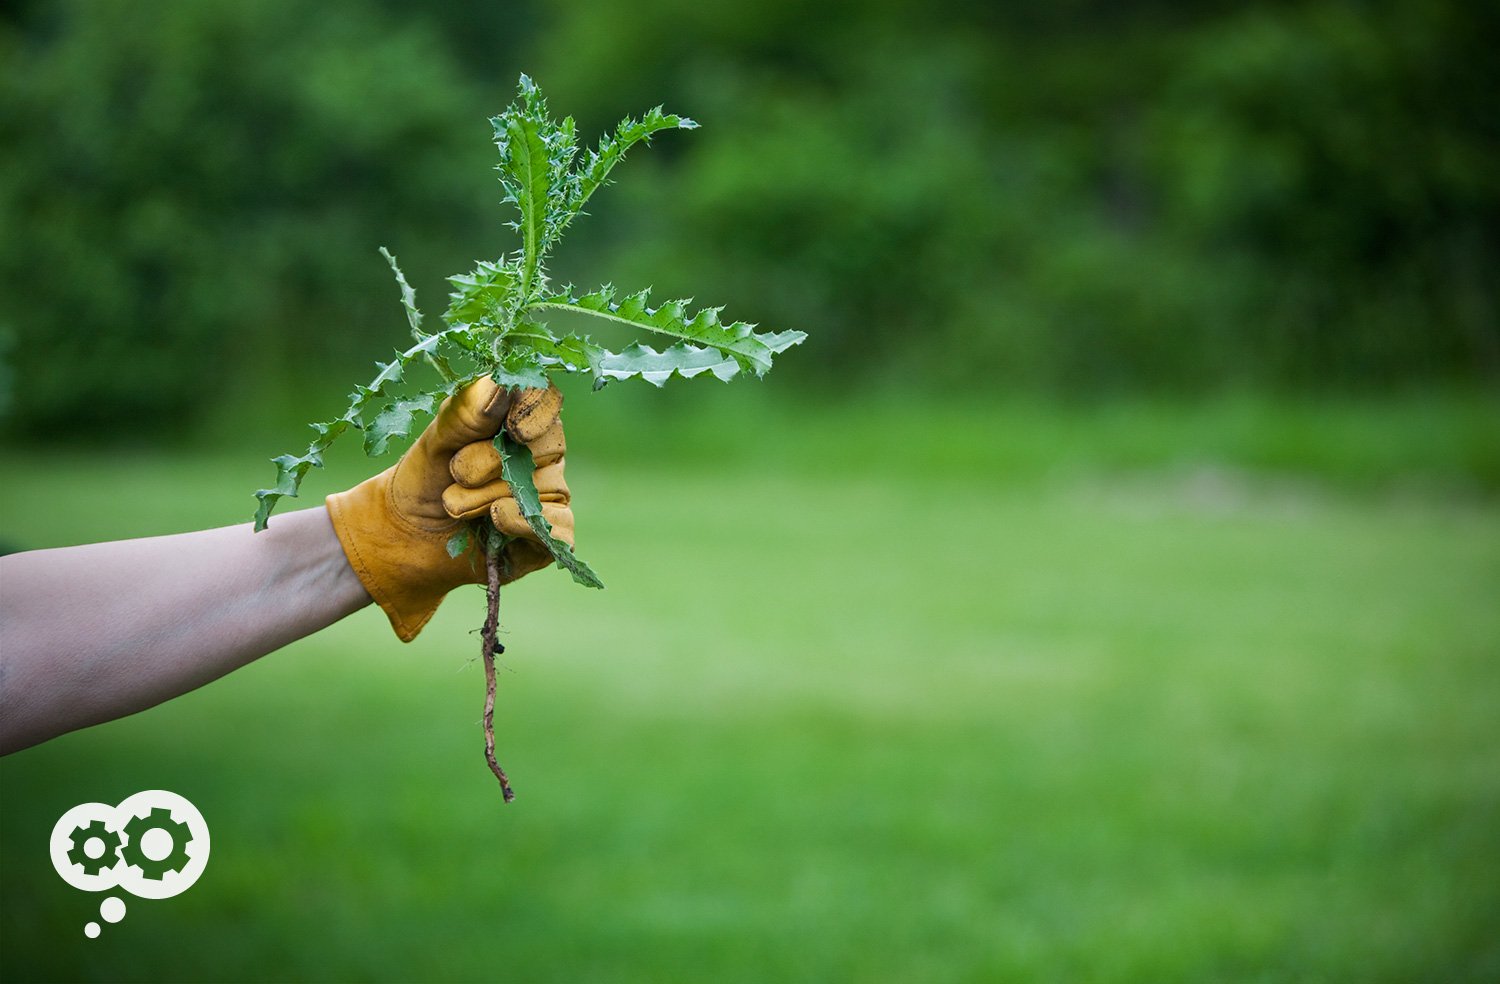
(492, 647)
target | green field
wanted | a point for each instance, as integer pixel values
(855, 706)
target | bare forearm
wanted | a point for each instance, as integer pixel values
(93, 633)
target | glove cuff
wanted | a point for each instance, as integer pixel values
(406, 569)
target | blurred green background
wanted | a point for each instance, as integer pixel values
(1106, 590)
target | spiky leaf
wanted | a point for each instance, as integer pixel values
(644, 362)
(611, 150)
(687, 361)
(524, 160)
(520, 372)
(397, 420)
(738, 341)
(536, 153)
(492, 327)
(408, 297)
(483, 297)
(516, 467)
(292, 469)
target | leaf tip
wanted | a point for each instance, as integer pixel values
(267, 502)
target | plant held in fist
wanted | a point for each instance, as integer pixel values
(486, 476)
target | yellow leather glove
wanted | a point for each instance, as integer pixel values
(395, 527)
(533, 419)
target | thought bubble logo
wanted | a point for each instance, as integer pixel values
(154, 845)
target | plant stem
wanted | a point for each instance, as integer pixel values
(491, 646)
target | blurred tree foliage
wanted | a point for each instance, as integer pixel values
(1062, 197)
(194, 192)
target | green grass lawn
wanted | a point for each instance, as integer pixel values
(869, 720)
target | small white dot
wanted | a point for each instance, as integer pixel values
(91, 931)
(112, 909)
(94, 847)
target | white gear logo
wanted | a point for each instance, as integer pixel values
(154, 845)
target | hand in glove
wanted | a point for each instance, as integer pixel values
(395, 527)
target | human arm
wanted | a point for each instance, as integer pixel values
(93, 633)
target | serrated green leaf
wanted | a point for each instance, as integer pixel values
(644, 362)
(577, 353)
(536, 153)
(408, 297)
(291, 469)
(594, 172)
(738, 341)
(489, 329)
(458, 543)
(779, 341)
(571, 353)
(520, 367)
(516, 467)
(527, 164)
(414, 317)
(484, 296)
(397, 421)
(687, 361)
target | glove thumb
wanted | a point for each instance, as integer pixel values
(474, 413)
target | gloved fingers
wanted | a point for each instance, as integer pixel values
(474, 413)
(506, 515)
(549, 445)
(478, 463)
(462, 502)
(550, 484)
(459, 505)
(532, 412)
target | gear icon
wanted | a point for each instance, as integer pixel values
(82, 835)
(160, 818)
